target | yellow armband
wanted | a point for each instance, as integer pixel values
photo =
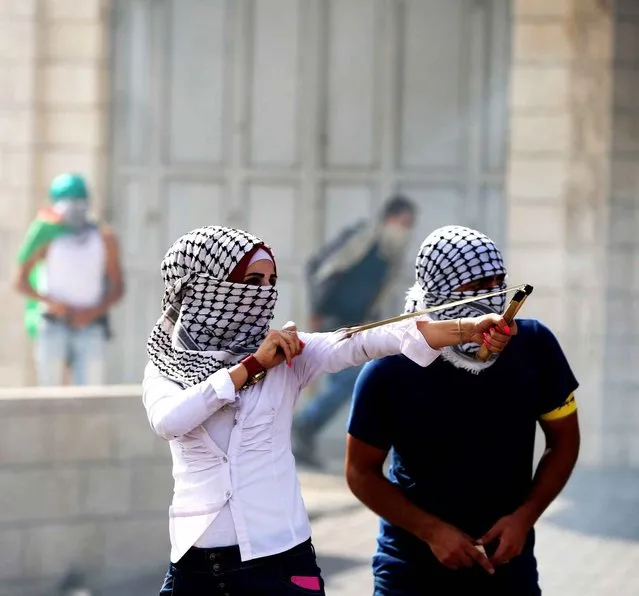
(565, 409)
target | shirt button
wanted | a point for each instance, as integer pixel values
(228, 494)
(217, 567)
(211, 556)
(225, 459)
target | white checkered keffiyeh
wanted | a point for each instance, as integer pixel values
(449, 258)
(208, 323)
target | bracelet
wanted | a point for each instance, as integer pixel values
(459, 330)
(254, 369)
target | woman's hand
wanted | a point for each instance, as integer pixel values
(279, 346)
(489, 330)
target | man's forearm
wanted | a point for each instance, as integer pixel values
(24, 288)
(553, 471)
(110, 300)
(389, 502)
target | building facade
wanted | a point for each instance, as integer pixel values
(292, 118)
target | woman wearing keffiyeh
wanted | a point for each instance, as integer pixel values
(460, 502)
(221, 386)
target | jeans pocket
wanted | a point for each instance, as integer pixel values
(300, 574)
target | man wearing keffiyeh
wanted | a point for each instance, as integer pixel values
(458, 508)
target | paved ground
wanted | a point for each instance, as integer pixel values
(588, 543)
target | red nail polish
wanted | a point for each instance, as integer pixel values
(507, 329)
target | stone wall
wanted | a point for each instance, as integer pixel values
(558, 182)
(85, 486)
(620, 417)
(53, 56)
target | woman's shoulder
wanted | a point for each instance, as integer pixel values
(151, 370)
(152, 373)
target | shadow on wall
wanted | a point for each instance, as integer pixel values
(601, 502)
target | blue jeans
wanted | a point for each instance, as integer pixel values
(337, 389)
(219, 571)
(58, 346)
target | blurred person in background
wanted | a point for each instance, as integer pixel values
(217, 389)
(349, 282)
(458, 509)
(70, 272)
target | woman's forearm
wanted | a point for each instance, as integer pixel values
(440, 334)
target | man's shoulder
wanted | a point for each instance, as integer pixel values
(107, 232)
(533, 328)
(392, 365)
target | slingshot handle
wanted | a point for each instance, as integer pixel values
(514, 305)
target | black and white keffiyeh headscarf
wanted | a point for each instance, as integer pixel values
(208, 323)
(450, 257)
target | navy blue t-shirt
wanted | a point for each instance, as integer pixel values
(462, 444)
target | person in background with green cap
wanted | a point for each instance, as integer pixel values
(70, 273)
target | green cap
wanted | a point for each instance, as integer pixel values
(68, 186)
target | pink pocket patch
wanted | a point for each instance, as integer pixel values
(306, 582)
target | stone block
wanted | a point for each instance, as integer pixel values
(12, 544)
(540, 134)
(625, 138)
(544, 41)
(134, 437)
(152, 487)
(627, 41)
(18, 8)
(68, 85)
(34, 494)
(537, 178)
(89, 163)
(136, 545)
(540, 87)
(19, 166)
(547, 307)
(16, 128)
(74, 128)
(621, 264)
(12, 374)
(24, 440)
(542, 8)
(72, 10)
(55, 549)
(536, 223)
(81, 436)
(107, 490)
(80, 41)
(16, 84)
(621, 321)
(624, 223)
(626, 8)
(539, 267)
(626, 87)
(17, 40)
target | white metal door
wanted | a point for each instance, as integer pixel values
(292, 118)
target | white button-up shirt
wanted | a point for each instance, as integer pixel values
(254, 476)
